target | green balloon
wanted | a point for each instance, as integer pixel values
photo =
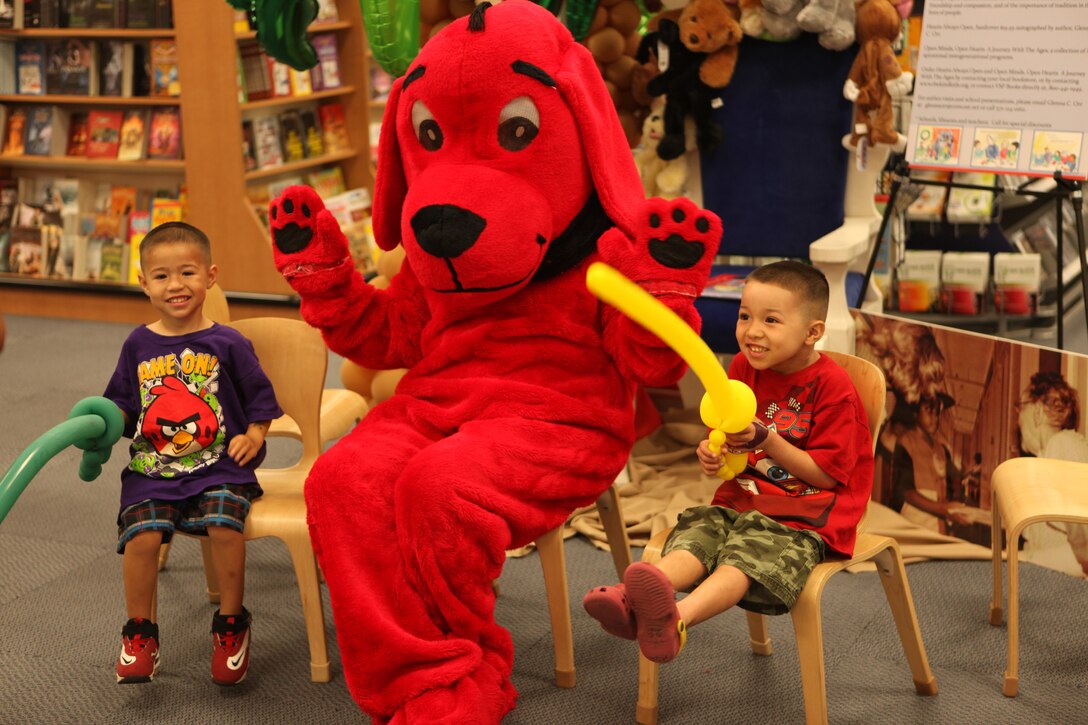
(392, 29)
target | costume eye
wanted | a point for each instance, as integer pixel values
(519, 123)
(426, 128)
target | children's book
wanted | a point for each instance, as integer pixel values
(39, 131)
(164, 67)
(122, 203)
(165, 209)
(7, 68)
(334, 128)
(9, 199)
(77, 134)
(380, 83)
(78, 13)
(25, 251)
(107, 13)
(280, 73)
(114, 261)
(266, 131)
(326, 74)
(327, 12)
(249, 146)
(971, 205)
(327, 182)
(164, 134)
(311, 132)
(139, 224)
(255, 71)
(103, 133)
(301, 84)
(70, 68)
(116, 64)
(931, 200)
(30, 67)
(140, 14)
(15, 132)
(133, 135)
(291, 136)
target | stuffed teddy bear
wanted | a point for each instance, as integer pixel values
(876, 77)
(517, 407)
(697, 55)
(666, 179)
(831, 20)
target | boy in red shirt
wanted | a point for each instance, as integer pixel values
(806, 486)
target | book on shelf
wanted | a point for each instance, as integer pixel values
(351, 209)
(15, 132)
(240, 79)
(103, 133)
(327, 12)
(381, 83)
(327, 182)
(164, 13)
(334, 127)
(724, 286)
(141, 68)
(116, 67)
(26, 14)
(971, 205)
(7, 68)
(9, 199)
(311, 132)
(7, 14)
(931, 200)
(25, 251)
(46, 131)
(78, 13)
(70, 67)
(164, 134)
(134, 134)
(106, 14)
(164, 67)
(240, 21)
(326, 74)
(249, 146)
(139, 224)
(166, 209)
(301, 84)
(266, 131)
(30, 67)
(78, 133)
(113, 264)
(141, 14)
(291, 135)
(280, 74)
(255, 72)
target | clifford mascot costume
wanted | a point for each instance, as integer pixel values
(504, 172)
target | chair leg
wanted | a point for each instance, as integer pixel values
(893, 576)
(810, 651)
(608, 508)
(646, 710)
(210, 577)
(164, 554)
(1012, 679)
(553, 562)
(302, 556)
(758, 634)
(995, 548)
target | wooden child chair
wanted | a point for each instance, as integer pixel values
(869, 381)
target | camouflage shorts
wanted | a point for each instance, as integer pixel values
(777, 558)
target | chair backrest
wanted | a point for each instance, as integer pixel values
(295, 358)
(215, 305)
(869, 381)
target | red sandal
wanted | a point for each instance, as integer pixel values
(609, 606)
(660, 631)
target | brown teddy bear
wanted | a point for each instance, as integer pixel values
(876, 78)
(697, 56)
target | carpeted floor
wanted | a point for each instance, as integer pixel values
(62, 607)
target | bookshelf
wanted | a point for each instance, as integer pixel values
(212, 167)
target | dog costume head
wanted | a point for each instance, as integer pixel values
(501, 157)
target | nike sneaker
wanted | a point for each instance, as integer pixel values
(139, 658)
(230, 647)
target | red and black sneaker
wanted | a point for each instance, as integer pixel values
(139, 658)
(230, 647)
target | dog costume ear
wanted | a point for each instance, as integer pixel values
(611, 163)
(390, 186)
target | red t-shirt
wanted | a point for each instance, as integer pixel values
(818, 410)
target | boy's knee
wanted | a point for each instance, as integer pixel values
(144, 543)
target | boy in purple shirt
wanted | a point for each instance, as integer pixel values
(197, 406)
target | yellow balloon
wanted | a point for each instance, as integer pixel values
(729, 405)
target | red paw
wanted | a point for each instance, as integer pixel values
(305, 236)
(679, 234)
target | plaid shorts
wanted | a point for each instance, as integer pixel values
(777, 558)
(226, 505)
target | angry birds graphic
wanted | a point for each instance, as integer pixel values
(178, 422)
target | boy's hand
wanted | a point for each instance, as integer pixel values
(748, 439)
(710, 462)
(242, 448)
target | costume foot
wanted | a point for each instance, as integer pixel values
(609, 606)
(660, 631)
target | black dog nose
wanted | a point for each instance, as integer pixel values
(445, 230)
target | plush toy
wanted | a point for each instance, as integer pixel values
(504, 172)
(697, 56)
(666, 179)
(876, 78)
(831, 20)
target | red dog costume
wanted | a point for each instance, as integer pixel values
(504, 172)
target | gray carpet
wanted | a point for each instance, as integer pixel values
(62, 607)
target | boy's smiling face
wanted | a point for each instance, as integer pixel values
(176, 277)
(775, 330)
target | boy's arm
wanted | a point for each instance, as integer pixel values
(798, 462)
(244, 446)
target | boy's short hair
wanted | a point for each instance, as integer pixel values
(177, 232)
(804, 280)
